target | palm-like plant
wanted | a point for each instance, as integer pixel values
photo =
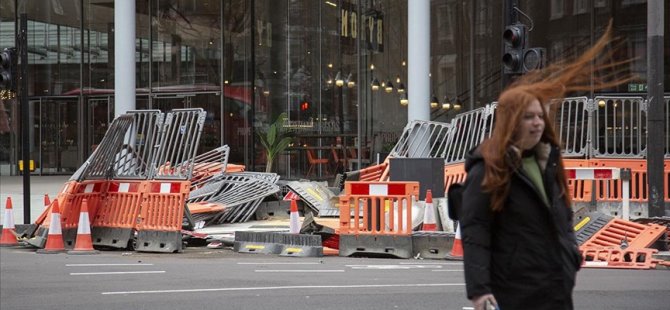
(275, 140)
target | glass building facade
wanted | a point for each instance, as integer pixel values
(247, 61)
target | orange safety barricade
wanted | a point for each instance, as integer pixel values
(616, 258)
(580, 189)
(453, 173)
(116, 217)
(372, 173)
(93, 191)
(160, 219)
(610, 190)
(383, 208)
(617, 232)
(68, 189)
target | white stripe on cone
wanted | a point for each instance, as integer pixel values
(84, 224)
(8, 223)
(54, 227)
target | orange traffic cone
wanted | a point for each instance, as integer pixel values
(457, 248)
(83, 244)
(8, 232)
(55, 238)
(429, 223)
(294, 227)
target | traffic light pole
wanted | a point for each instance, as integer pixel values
(655, 117)
(25, 114)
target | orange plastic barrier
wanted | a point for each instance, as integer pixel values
(68, 189)
(637, 235)
(610, 190)
(162, 206)
(205, 207)
(121, 206)
(453, 173)
(373, 173)
(378, 208)
(618, 258)
(580, 189)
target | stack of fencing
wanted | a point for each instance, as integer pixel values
(136, 183)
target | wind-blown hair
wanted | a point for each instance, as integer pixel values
(592, 70)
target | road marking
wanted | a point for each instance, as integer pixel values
(306, 263)
(334, 270)
(390, 267)
(428, 263)
(97, 265)
(445, 270)
(119, 272)
(301, 287)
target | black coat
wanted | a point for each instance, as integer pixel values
(526, 254)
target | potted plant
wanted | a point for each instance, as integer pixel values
(275, 140)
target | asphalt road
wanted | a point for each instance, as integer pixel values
(203, 278)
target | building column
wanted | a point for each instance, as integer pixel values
(418, 60)
(124, 56)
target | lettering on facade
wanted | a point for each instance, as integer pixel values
(372, 33)
(264, 33)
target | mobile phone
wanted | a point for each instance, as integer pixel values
(488, 305)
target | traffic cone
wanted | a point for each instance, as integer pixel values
(294, 227)
(83, 244)
(55, 238)
(457, 249)
(8, 231)
(429, 223)
(40, 219)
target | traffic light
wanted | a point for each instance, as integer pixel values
(514, 38)
(8, 72)
(533, 58)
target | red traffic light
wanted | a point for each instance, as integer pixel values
(515, 35)
(304, 106)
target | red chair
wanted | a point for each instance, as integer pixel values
(315, 161)
(339, 162)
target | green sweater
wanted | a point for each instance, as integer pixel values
(532, 169)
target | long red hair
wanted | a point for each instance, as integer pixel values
(591, 70)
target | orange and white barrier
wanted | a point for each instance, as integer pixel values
(8, 238)
(605, 173)
(383, 208)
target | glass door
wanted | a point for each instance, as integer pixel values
(56, 127)
(100, 113)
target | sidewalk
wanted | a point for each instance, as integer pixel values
(12, 186)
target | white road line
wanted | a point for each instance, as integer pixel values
(119, 272)
(444, 270)
(336, 270)
(301, 287)
(305, 263)
(428, 263)
(97, 265)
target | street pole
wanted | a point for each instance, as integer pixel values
(25, 114)
(655, 116)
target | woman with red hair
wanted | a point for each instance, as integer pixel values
(520, 250)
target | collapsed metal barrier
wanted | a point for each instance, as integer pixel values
(208, 165)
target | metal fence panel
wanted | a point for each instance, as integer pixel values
(620, 125)
(572, 124)
(133, 160)
(98, 165)
(179, 144)
(422, 139)
(469, 129)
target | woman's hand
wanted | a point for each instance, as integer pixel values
(480, 302)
